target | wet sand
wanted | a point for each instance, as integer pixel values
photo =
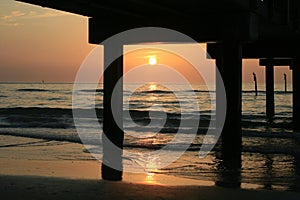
(30, 170)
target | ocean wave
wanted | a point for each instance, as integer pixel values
(282, 135)
(263, 92)
(34, 90)
(267, 150)
(96, 90)
(54, 118)
(244, 91)
(200, 91)
(63, 118)
(101, 91)
(157, 92)
(55, 137)
(55, 99)
(43, 111)
(74, 138)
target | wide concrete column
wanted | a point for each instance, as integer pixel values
(229, 63)
(113, 124)
(296, 94)
(270, 103)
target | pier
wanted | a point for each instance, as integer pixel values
(268, 30)
(269, 65)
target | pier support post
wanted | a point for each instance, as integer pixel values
(270, 104)
(229, 63)
(113, 125)
(296, 94)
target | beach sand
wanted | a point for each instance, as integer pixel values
(38, 169)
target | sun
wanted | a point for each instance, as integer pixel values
(152, 60)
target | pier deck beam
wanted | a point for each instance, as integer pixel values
(229, 63)
(113, 124)
(296, 94)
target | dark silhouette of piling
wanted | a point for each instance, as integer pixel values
(113, 134)
(270, 107)
(270, 102)
(285, 84)
(255, 83)
(230, 57)
(296, 94)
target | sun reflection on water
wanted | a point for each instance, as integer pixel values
(152, 86)
(150, 178)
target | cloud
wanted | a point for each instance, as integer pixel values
(34, 15)
(17, 13)
(10, 24)
(11, 18)
(13, 14)
(5, 17)
(14, 17)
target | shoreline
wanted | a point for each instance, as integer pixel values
(21, 156)
(86, 170)
(33, 169)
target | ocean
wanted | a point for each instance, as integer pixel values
(271, 151)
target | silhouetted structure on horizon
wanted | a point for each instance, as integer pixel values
(236, 29)
(255, 84)
(285, 82)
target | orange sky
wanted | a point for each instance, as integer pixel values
(167, 55)
(44, 44)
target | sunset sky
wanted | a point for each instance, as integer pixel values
(43, 44)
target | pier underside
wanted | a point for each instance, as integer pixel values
(234, 29)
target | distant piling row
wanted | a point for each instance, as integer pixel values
(255, 83)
